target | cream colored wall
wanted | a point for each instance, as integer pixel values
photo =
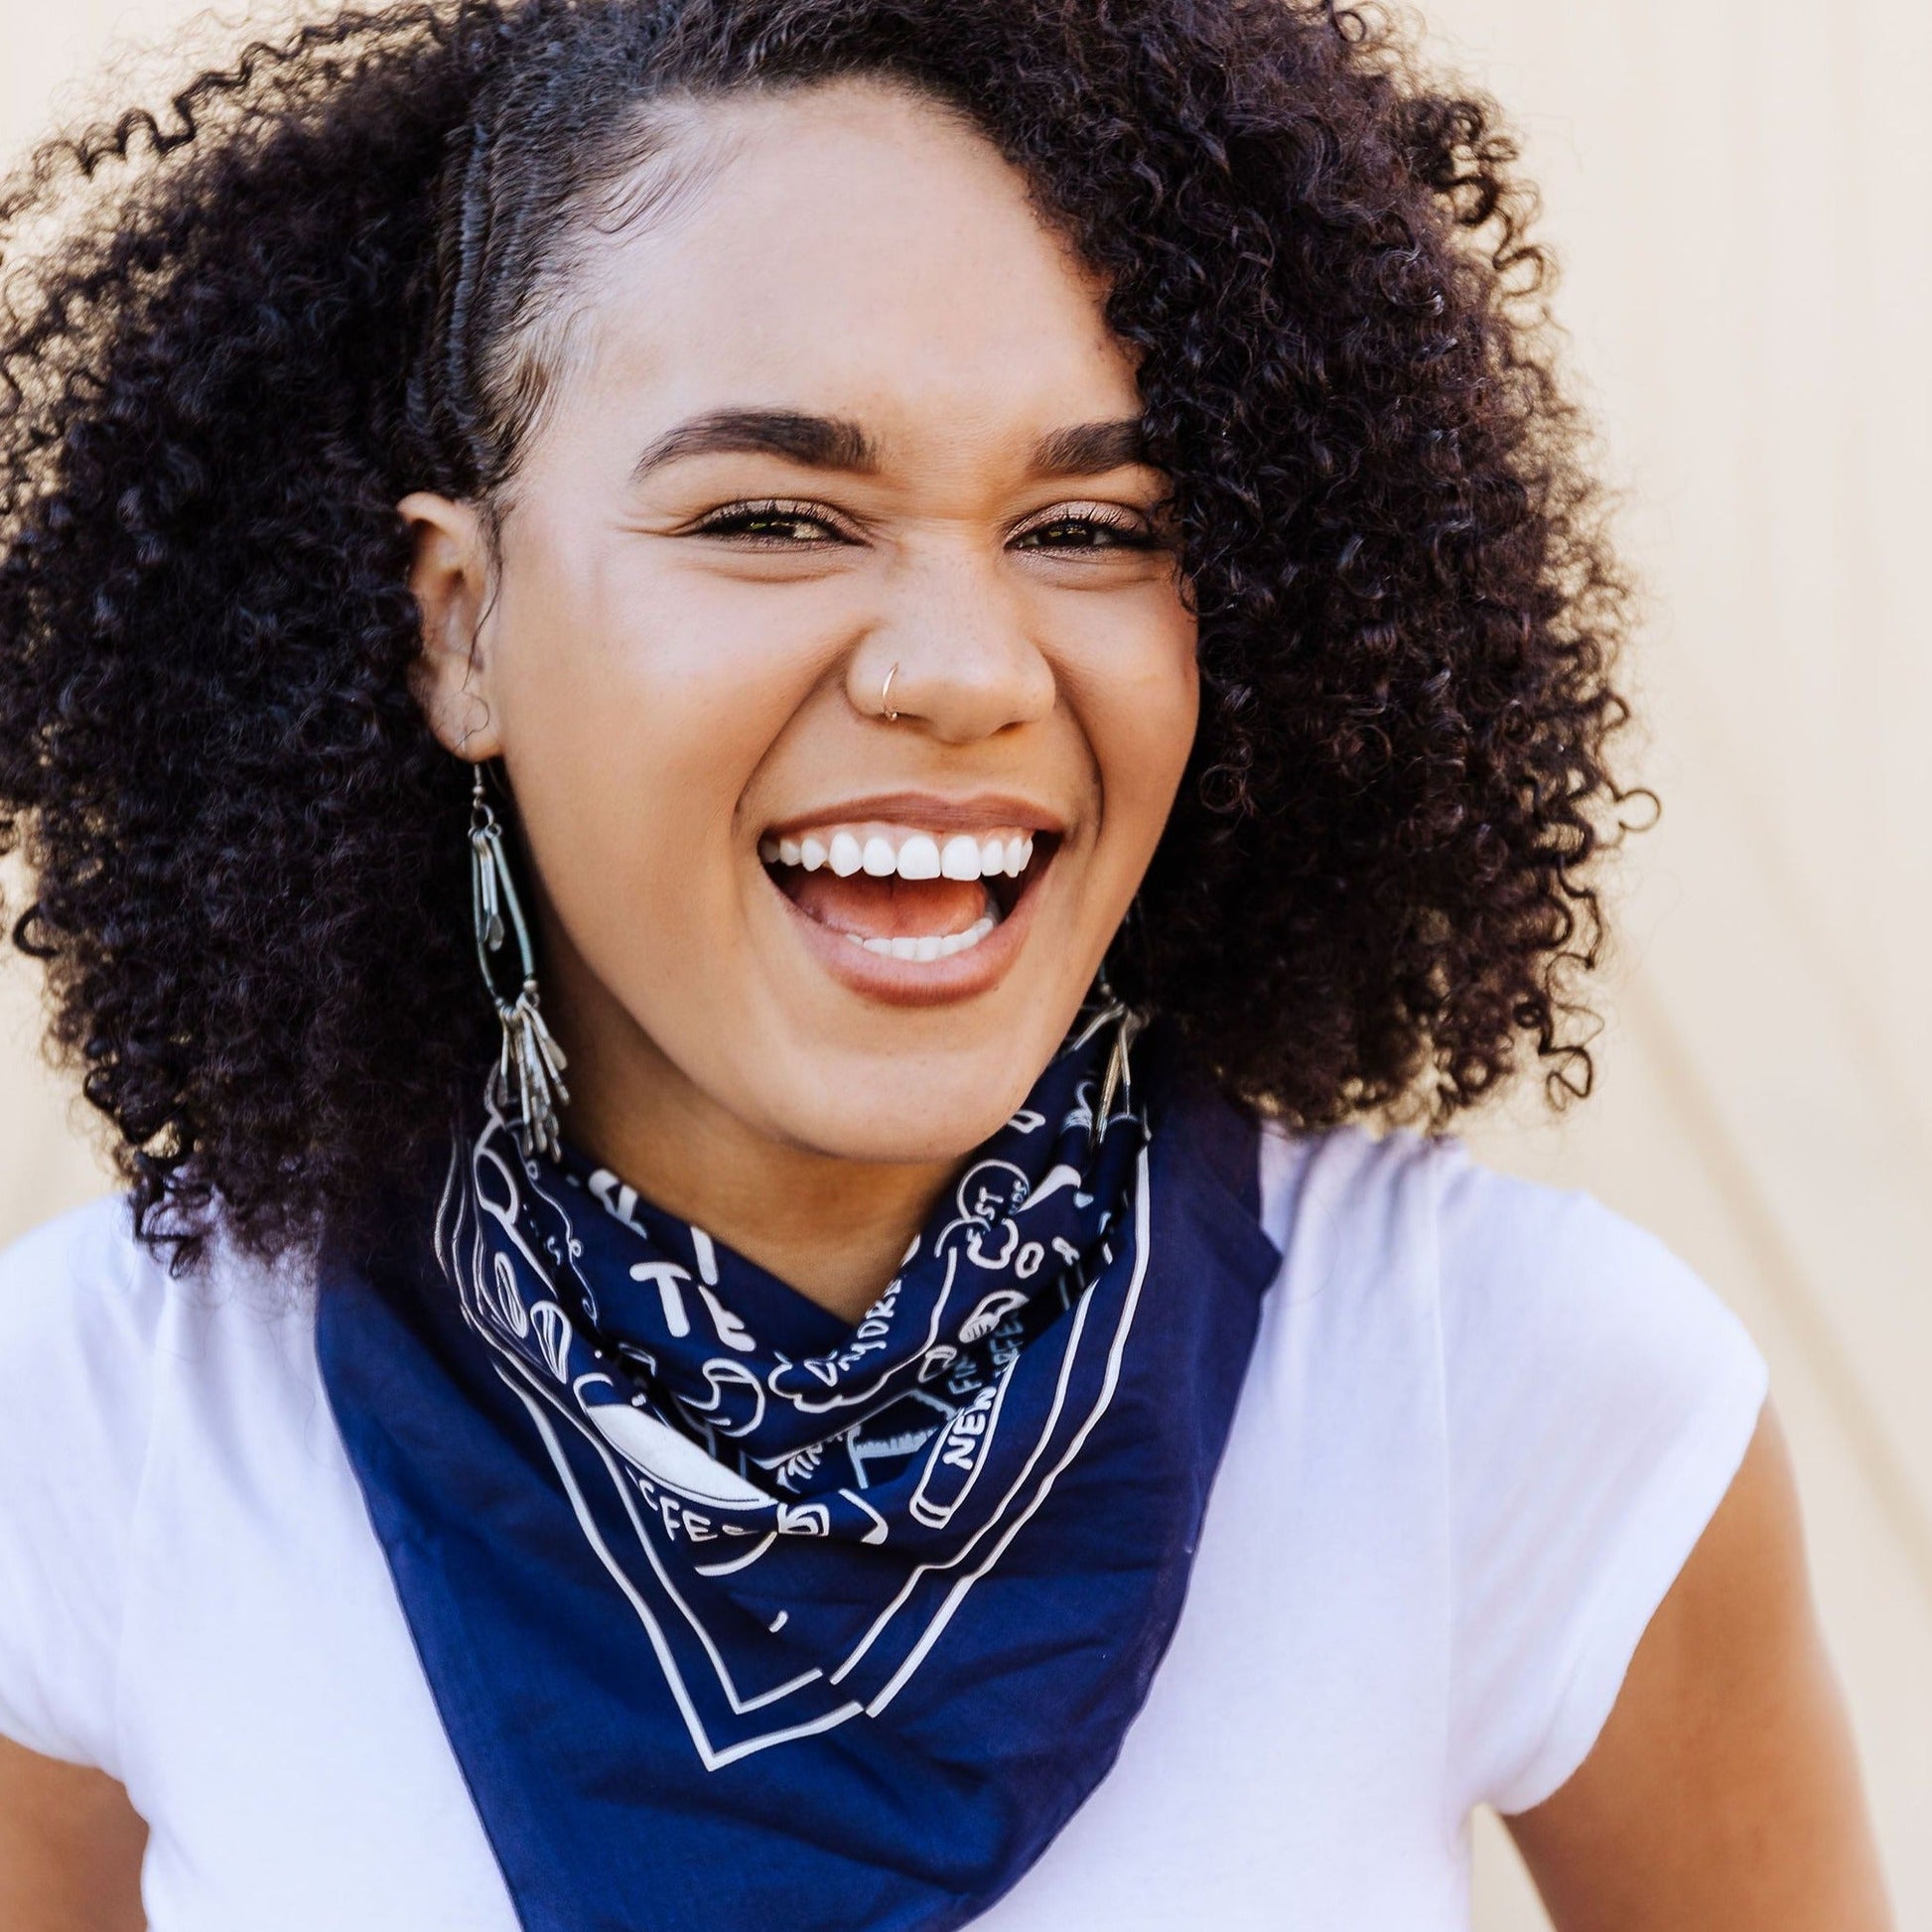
(1739, 191)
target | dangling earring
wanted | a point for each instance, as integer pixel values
(1118, 1077)
(1126, 1022)
(530, 1056)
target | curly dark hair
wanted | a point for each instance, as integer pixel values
(252, 322)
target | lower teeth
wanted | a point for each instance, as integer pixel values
(929, 947)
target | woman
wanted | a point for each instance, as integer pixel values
(743, 725)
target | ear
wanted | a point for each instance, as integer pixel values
(450, 576)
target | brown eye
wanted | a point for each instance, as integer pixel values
(1086, 530)
(774, 525)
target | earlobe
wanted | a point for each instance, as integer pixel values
(449, 575)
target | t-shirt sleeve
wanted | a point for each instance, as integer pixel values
(79, 1305)
(1599, 1399)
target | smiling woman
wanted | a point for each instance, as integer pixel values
(985, 621)
(724, 559)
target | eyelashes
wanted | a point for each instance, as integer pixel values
(774, 523)
(1087, 526)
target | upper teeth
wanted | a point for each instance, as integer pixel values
(884, 851)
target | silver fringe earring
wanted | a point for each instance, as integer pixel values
(532, 1063)
(1118, 1079)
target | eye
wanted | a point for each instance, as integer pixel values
(1087, 527)
(771, 525)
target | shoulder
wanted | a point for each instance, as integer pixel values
(86, 1276)
(97, 1340)
(1507, 1272)
(92, 1324)
(80, 1305)
(1590, 1398)
(80, 1300)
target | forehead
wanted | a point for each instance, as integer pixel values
(855, 248)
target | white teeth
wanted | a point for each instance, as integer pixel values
(918, 858)
(909, 855)
(961, 858)
(929, 947)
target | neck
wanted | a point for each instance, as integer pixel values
(834, 1229)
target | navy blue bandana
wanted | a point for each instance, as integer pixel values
(738, 1616)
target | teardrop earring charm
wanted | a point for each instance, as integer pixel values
(531, 1067)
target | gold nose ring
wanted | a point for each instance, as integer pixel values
(886, 710)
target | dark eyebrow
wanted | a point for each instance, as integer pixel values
(1091, 449)
(820, 441)
(832, 443)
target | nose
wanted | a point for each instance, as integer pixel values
(952, 653)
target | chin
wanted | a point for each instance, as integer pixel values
(908, 1107)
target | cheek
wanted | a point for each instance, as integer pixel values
(635, 709)
(1140, 707)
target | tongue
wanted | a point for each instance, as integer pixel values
(890, 908)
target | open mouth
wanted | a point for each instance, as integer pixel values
(906, 892)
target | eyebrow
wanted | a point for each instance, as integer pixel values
(818, 441)
(1091, 449)
(834, 443)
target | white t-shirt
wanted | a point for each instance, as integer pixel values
(1485, 1424)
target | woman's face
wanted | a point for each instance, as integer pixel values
(842, 411)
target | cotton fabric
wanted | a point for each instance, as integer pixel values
(737, 1614)
(1482, 1426)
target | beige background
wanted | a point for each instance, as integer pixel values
(1739, 191)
